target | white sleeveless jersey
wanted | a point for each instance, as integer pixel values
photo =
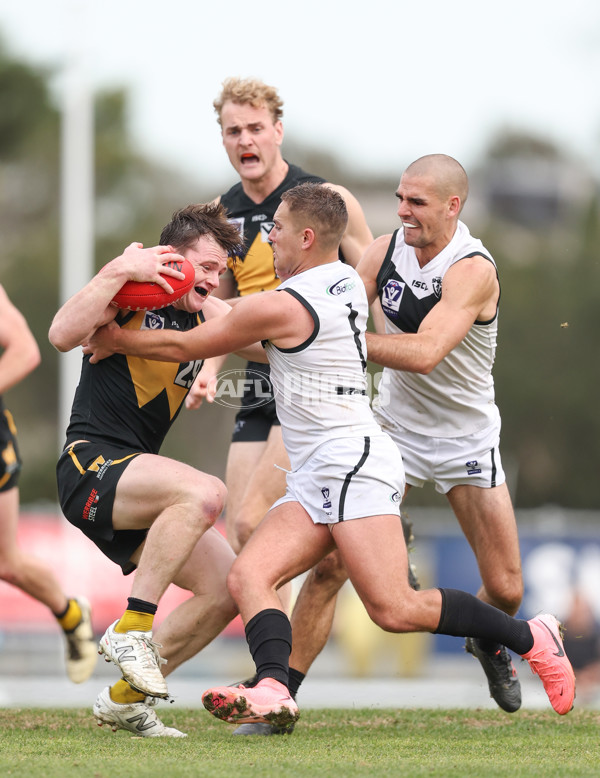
(320, 386)
(457, 397)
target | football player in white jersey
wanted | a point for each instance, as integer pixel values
(346, 474)
(439, 291)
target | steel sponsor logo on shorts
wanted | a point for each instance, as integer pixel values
(91, 506)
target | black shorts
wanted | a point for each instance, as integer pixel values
(10, 461)
(87, 475)
(257, 413)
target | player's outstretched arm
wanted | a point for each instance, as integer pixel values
(264, 316)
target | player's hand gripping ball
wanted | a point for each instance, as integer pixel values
(148, 296)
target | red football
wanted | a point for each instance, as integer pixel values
(147, 296)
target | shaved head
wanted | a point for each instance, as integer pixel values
(447, 175)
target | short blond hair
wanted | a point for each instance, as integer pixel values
(323, 209)
(249, 91)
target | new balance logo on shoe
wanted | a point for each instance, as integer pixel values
(142, 722)
(125, 653)
(138, 658)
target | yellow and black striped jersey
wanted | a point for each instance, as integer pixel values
(129, 401)
(254, 271)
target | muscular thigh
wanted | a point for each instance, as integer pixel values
(113, 495)
(286, 544)
(241, 461)
(150, 485)
(374, 553)
(254, 482)
(487, 519)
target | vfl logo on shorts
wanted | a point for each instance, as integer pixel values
(326, 500)
(473, 467)
(391, 296)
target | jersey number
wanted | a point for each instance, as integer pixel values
(187, 373)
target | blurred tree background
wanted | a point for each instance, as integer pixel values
(535, 208)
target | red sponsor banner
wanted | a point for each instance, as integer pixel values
(81, 569)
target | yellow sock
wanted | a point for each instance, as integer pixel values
(72, 617)
(134, 620)
(123, 693)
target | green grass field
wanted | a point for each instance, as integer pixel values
(53, 743)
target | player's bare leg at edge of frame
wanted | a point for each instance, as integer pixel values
(374, 553)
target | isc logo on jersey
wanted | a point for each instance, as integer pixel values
(341, 287)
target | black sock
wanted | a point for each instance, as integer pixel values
(489, 646)
(141, 606)
(465, 616)
(296, 678)
(269, 636)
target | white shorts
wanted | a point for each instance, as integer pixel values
(446, 462)
(349, 478)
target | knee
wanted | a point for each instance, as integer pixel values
(210, 500)
(390, 621)
(225, 605)
(506, 593)
(9, 575)
(391, 616)
(9, 570)
(241, 534)
(383, 618)
(329, 573)
(235, 580)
